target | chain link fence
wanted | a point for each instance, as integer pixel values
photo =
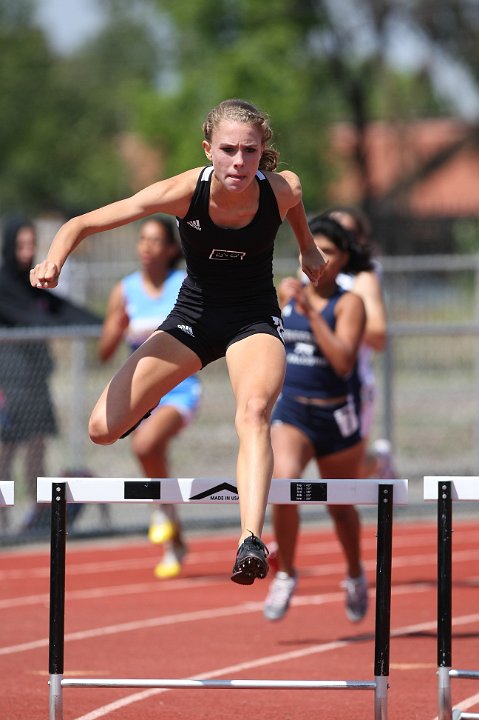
(428, 380)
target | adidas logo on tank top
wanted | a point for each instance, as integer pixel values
(194, 224)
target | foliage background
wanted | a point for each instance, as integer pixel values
(156, 67)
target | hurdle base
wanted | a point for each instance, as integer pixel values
(56, 697)
(444, 693)
(381, 697)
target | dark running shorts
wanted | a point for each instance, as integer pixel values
(329, 429)
(210, 331)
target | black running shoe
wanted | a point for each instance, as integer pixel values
(251, 562)
(128, 432)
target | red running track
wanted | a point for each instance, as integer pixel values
(120, 622)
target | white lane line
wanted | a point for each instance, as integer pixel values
(114, 590)
(464, 705)
(259, 662)
(329, 569)
(240, 667)
(310, 548)
(401, 562)
(207, 614)
(458, 556)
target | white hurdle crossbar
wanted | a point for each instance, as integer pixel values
(207, 491)
(7, 493)
(60, 491)
(445, 490)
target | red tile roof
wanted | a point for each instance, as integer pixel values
(396, 151)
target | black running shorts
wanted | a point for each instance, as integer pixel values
(210, 331)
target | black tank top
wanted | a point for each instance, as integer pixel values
(308, 371)
(229, 266)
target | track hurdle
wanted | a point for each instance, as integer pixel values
(446, 490)
(7, 493)
(60, 491)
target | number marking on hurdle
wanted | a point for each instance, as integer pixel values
(60, 491)
(446, 490)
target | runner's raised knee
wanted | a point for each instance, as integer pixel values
(99, 432)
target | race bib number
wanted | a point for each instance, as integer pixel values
(347, 419)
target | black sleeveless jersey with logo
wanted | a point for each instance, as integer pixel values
(229, 266)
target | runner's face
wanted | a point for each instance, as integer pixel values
(235, 151)
(25, 247)
(153, 247)
(337, 258)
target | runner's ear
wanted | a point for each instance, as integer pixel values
(207, 149)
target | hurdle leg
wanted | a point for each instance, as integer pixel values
(383, 600)
(444, 599)
(57, 599)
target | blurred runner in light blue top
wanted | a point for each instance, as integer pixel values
(137, 305)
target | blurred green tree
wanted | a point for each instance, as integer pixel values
(157, 66)
(62, 116)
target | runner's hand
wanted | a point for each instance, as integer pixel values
(313, 263)
(44, 275)
(289, 288)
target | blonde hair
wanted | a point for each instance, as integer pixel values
(242, 111)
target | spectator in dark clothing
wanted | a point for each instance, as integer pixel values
(27, 415)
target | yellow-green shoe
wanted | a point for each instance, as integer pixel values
(172, 562)
(161, 530)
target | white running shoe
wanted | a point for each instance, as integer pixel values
(279, 596)
(382, 452)
(356, 602)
